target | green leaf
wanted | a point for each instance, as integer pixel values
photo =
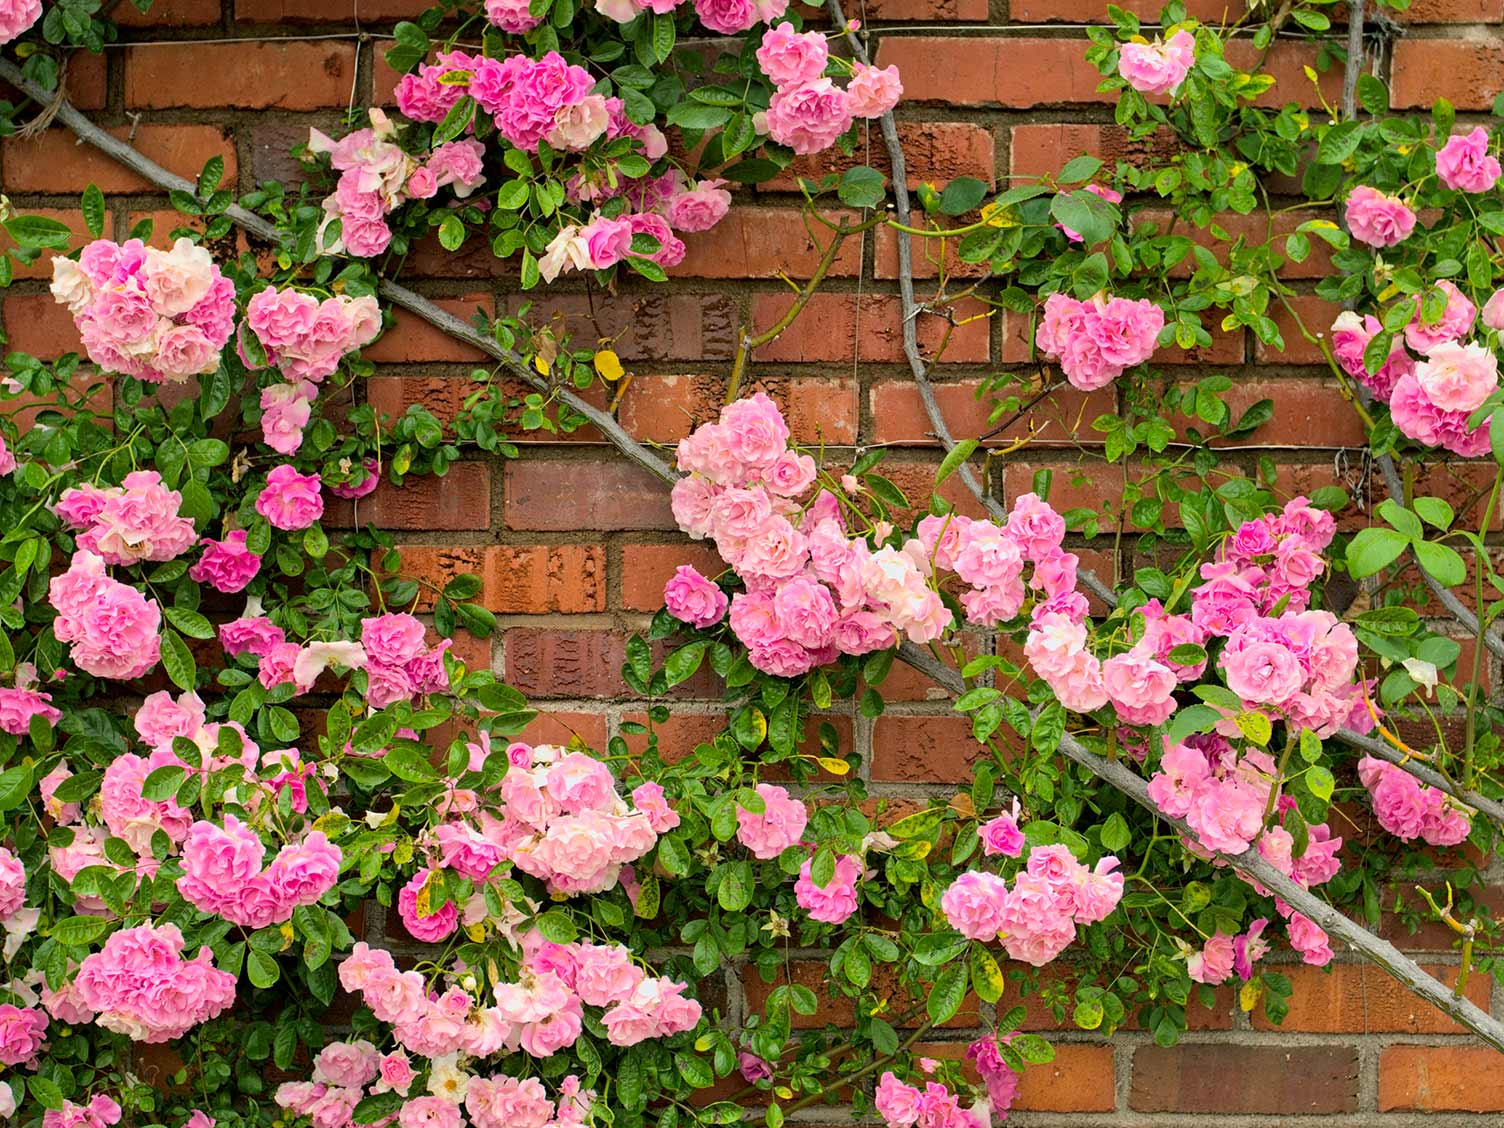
(952, 461)
(162, 783)
(693, 115)
(92, 205)
(451, 233)
(1078, 170)
(862, 187)
(455, 121)
(947, 995)
(191, 623)
(1373, 549)
(376, 1107)
(35, 231)
(663, 35)
(1087, 214)
(1442, 562)
(76, 931)
(935, 948)
(15, 786)
(557, 926)
(1115, 833)
(962, 195)
(1320, 781)
(262, 970)
(411, 46)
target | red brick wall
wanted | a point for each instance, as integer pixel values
(574, 545)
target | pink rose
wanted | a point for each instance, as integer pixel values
(973, 905)
(834, 902)
(1458, 377)
(789, 57)
(693, 599)
(227, 565)
(729, 17)
(1464, 164)
(700, 206)
(607, 241)
(777, 827)
(290, 501)
(810, 116)
(873, 91)
(1158, 67)
(1378, 219)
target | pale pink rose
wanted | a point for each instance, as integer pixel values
(1213, 963)
(789, 57)
(777, 827)
(693, 599)
(1493, 311)
(1416, 416)
(810, 116)
(511, 16)
(699, 207)
(1458, 377)
(1464, 164)
(1377, 219)
(973, 905)
(347, 1064)
(1456, 321)
(577, 126)
(873, 91)
(1262, 673)
(1158, 67)
(648, 798)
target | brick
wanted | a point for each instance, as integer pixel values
(1362, 999)
(321, 11)
(925, 257)
(527, 579)
(986, 72)
(645, 568)
(806, 973)
(1315, 314)
(663, 409)
(1043, 11)
(1043, 148)
(1291, 1081)
(56, 162)
(271, 149)
(272, 74)
(937, 749)
(1080, 1079)
(1065, 414)
(565, 663)
(411, 339)
(169, 13)
(1436, 1079)
(86, 82)
(762, 242)
(678, 736)
(459, 500)
(973, 10)
(561, 726)
(644, 325)
(830, 324)
(445, 397)
(1468, 72)
(1452, 11)
(36, 324)
(566, 496)
(934, 151)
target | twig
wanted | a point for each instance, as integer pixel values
(394, 293)
(1430, 777)
(1354, 58)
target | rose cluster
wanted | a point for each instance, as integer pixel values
(541, 1012)
(21, 702)
(112, 628)
(222, 873)
(134, 522)
(139, 984)
(376, 175)
(1409, 809)
(808, 111)
(399, 664)
(1037, 917)
(1096, 341)
(155, 315)
(1222, 955)
(905, 1106)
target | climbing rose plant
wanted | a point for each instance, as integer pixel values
(262, 817)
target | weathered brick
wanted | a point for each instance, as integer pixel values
(411, 339)
(1467, 72)
(271, 74)
(1065, 414)
(459, 500)
(55, 161)
(564, 496)
(322, 11)
(832, 326)
(651, 325)
(560, 726)
(645, 568)
(763, 242)
(1363, 999)
(565, 663)
(936, 749)
(1288, 1080)
(1315, 314)
(663, 409)
(933, 151)
(516, 579)
(1440, 1079)
(168, 13)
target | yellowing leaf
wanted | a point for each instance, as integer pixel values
(1255, 726)
(1248, 997)
(832, 765)
(476, 931)
(541, 365)
(608, 364)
